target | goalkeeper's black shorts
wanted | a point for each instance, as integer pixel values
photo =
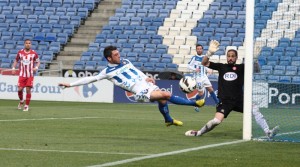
(227, 105)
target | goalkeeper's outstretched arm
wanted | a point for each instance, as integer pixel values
(213, 47)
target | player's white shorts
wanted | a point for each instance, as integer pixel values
(203, 82)
(144, 94)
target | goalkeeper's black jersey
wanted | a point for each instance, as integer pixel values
(231, 80)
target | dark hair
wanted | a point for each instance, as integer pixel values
(199, 45)
(107, 51)
(233, 50)
(27, 40)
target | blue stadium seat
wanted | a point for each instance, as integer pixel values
(296, 79)
(7, 10)
(17, 10)
(220, 14)
(13, 27)
(209, 14)
(157, 21)
(138, 65)
(89, 4)
(83, 13)
(68, 3)
(120, 12)
(144, 39)
(135, 21)
(75, 20)
(86, 56)
(273, 78)
(285, 79)
(130, 13)
(156, 39)
(10, 18)
(259, 77)
(137, 5)
(149, 66)
(166, 60)
(170, 5)
(159, 5)
(78, 3)
(145, 5)
(164, 13)
(43, 45)
(6, 35)
(171, 67)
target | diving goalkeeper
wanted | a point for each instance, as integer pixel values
(230, 92)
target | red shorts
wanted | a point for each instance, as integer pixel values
(25, 82)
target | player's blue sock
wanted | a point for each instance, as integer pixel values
(213, 95)
(198, 97)
(181, 101)
(164, 110)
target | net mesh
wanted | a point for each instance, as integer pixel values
(276, 84)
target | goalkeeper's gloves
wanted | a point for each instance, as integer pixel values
(213, 47)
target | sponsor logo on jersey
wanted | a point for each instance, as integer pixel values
(230, 76)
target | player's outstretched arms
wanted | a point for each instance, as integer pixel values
(64, 85)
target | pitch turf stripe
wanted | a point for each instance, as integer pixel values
(65, 151)
(166, 154)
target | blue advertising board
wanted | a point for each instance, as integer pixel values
(122, 96)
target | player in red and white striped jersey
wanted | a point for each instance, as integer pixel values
(29, 64)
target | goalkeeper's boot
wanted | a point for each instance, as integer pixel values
(192, 133)
(174, 122)
(200, 103)
(26, 108)
(273, 132)
(20, 105)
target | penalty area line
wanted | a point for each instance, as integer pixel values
(166, 154)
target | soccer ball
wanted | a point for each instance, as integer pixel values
(187, 84)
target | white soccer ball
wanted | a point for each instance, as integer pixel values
(187, 84)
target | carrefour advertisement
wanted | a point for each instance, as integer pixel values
(46, 88)
(122, 96)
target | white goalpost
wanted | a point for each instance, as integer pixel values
(249, 35)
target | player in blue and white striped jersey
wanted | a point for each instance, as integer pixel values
(199, 72)
(123, 74)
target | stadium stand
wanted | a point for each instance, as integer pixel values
(49, 23)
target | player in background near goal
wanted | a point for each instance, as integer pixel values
(122, 73)
(230, 92)
(199, 72)
(29, 64)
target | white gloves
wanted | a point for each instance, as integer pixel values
(213, 47)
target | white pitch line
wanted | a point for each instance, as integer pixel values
(74, 118)
(42, 119)
(166, 154)
(279, 134)
(66, 151)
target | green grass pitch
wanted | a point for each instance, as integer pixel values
(71, 134)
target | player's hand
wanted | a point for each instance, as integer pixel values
(213, 47)
(64, 85)
(13, 71)
(150, 80)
